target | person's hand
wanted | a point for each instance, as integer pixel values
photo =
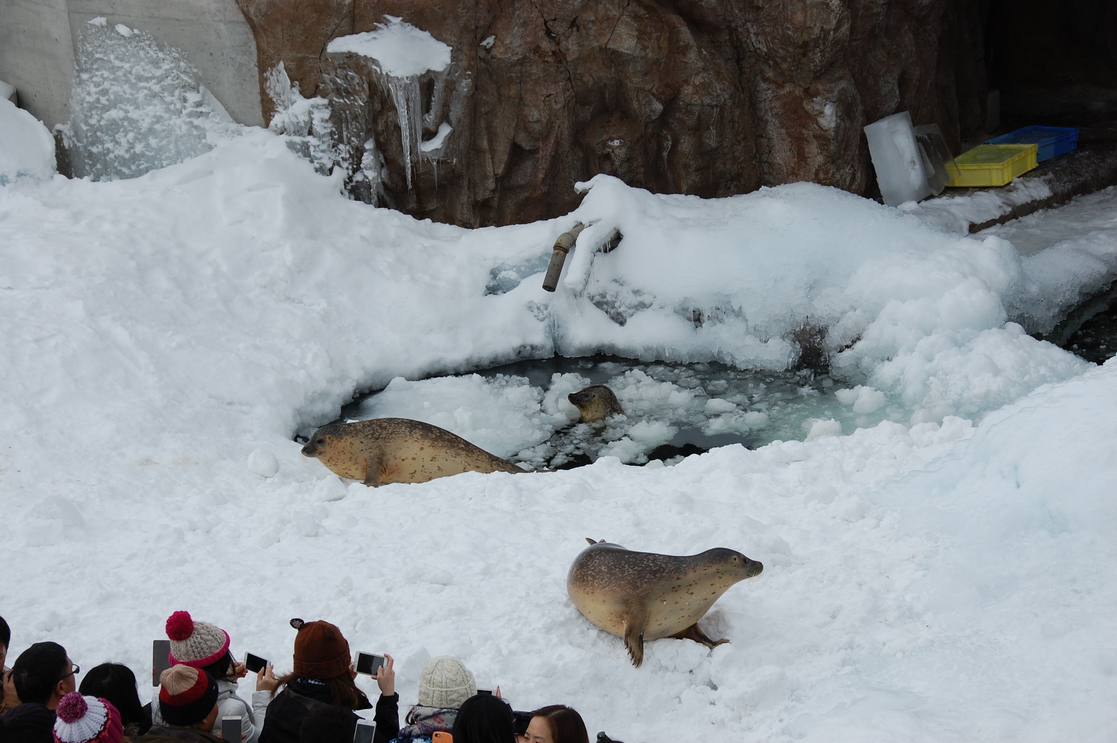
(498, 692)
(9, 686)
(386, 676)
(240, 670)
(266, 680)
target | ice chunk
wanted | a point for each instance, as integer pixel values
(26, 147)
(937, 160)
(137, 107)
(263, 463)
(897, 159)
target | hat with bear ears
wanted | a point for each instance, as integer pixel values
(321, 651)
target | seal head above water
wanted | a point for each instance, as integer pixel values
(387, 450)
(642, 596)
(596, 403)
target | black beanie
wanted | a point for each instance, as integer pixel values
(37, 670)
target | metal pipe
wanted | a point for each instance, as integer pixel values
(563, 245)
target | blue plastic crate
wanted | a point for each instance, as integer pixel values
(1050, 140)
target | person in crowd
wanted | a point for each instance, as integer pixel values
(188, 707)
(116, 683)
(205, 646)
(9, 698)
(87, 719)
(328, 724)
(443, 687)
(556, 723)
(484, 718)
(323, 675)
(42, 675)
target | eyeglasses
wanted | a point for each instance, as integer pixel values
(74, 670)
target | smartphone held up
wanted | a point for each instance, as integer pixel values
(369, 663)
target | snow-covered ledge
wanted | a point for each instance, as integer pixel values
(402, 53)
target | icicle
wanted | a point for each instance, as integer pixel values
(405, 94)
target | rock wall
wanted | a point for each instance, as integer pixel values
(704, 97)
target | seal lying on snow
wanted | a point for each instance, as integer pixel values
(642, 596)
(596, 403)
(386, 450)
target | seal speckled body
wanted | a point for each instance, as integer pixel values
(640, 596)
(596, 403)
(386, 450)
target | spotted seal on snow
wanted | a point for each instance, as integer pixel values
(596, 403)
(386, 450)
(641, 596)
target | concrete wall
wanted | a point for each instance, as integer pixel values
(38, 38)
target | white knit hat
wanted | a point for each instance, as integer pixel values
(86, 720)
(445, 683)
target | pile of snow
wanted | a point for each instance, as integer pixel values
(944, 576)
(137, 106)
(26, 147)
(399, 49)
(956, 212)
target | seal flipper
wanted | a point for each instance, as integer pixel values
(693, 633)
(635, 622)
(372, 470)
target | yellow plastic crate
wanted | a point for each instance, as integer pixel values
(993, 164)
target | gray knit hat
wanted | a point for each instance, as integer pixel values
(445, 683)
(195, 644)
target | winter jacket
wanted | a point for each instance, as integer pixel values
(228, 705)
(288, 709)
(30, 723)
(423, 722)
(176, 734)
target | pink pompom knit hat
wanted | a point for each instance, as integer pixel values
(195, 644)
(86, 720)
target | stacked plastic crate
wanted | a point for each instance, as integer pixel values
(1001, 159)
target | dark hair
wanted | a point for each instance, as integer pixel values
(483, 718)
(222, 669)
(37, 670)
(328, 724)
(5, 633)
(343, 692)
(565, 723)
(116, 683)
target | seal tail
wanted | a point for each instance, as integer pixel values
(694, 633)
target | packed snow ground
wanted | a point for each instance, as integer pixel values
(944, 577)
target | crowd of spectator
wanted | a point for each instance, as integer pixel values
(318, 702)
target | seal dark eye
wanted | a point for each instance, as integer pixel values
(320, 441)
